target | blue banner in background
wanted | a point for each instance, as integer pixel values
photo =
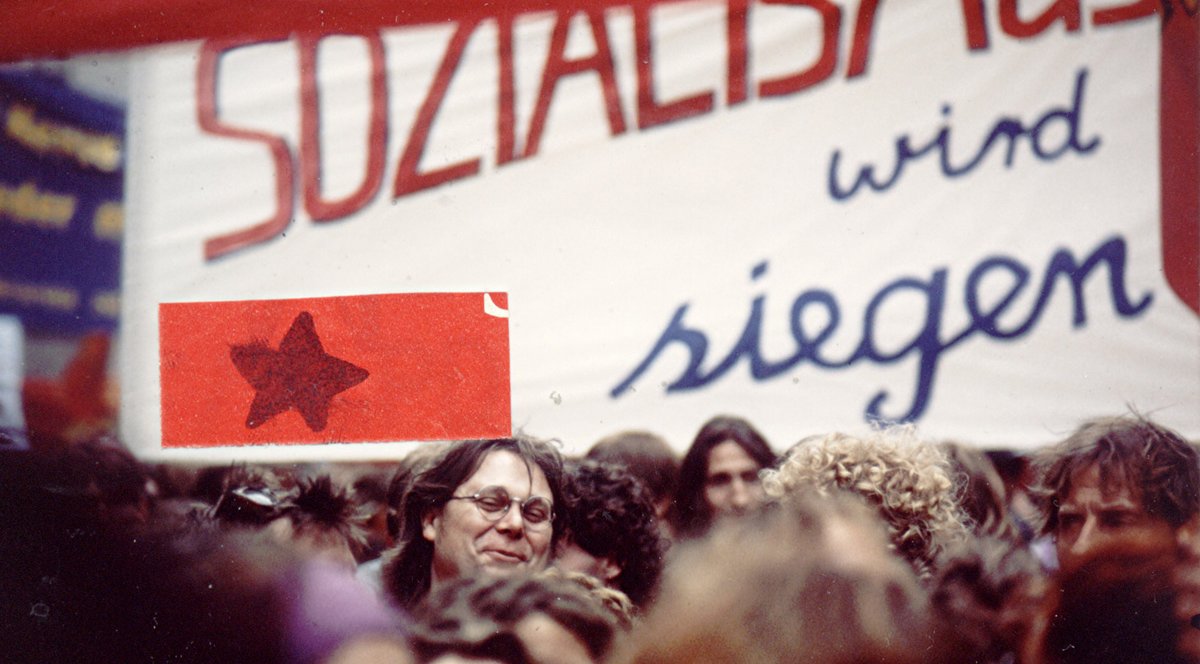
(61, 180)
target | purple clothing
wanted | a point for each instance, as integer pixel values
(328, 607)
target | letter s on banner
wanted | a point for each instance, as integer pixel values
(206, 115)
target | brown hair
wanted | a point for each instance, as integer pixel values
(780, 586)
(1130, 451)
(459, 614)
(406, 572)
(647, 456)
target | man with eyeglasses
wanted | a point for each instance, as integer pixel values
(483, 507)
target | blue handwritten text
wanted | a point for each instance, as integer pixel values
(1012, 129)
(928, 345)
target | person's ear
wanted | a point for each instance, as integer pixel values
(609, 569)
(430, 522)
(1188, 536)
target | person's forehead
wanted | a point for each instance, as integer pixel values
(728, 456)
(1087, 486)
(506, 469)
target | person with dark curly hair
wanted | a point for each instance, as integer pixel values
(1118, 480)
(719, 475)
(612, 533)
(481, 507)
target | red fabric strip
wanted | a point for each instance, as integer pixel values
(342, 369)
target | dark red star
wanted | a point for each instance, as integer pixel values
(299, 375)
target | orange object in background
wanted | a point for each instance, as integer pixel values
(426, 366)
(77, 405)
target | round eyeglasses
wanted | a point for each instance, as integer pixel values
(494, 502)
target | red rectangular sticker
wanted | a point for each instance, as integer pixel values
(427, 366)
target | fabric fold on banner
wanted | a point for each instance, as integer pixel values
(429, 366)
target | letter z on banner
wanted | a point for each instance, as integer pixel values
(336, 369)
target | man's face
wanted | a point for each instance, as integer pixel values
(1091, 520)
(731, 484)
(466, 542)
(571, 557)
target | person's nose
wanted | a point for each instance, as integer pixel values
(513, 522)
(1088, 535)
(740, 496)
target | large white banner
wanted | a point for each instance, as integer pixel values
(813, 214)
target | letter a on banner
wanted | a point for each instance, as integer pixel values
(340, 369)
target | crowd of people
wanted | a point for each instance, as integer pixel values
(847, 549)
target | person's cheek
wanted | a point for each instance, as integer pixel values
(1187, 602)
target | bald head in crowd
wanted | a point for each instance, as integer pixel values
(1119, 483)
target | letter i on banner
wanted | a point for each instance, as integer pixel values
(368, 368)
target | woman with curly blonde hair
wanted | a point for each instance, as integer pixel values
(908, 481)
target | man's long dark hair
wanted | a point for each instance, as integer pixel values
(690, 513)
(408, 566)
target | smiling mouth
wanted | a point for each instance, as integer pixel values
(504, 556)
